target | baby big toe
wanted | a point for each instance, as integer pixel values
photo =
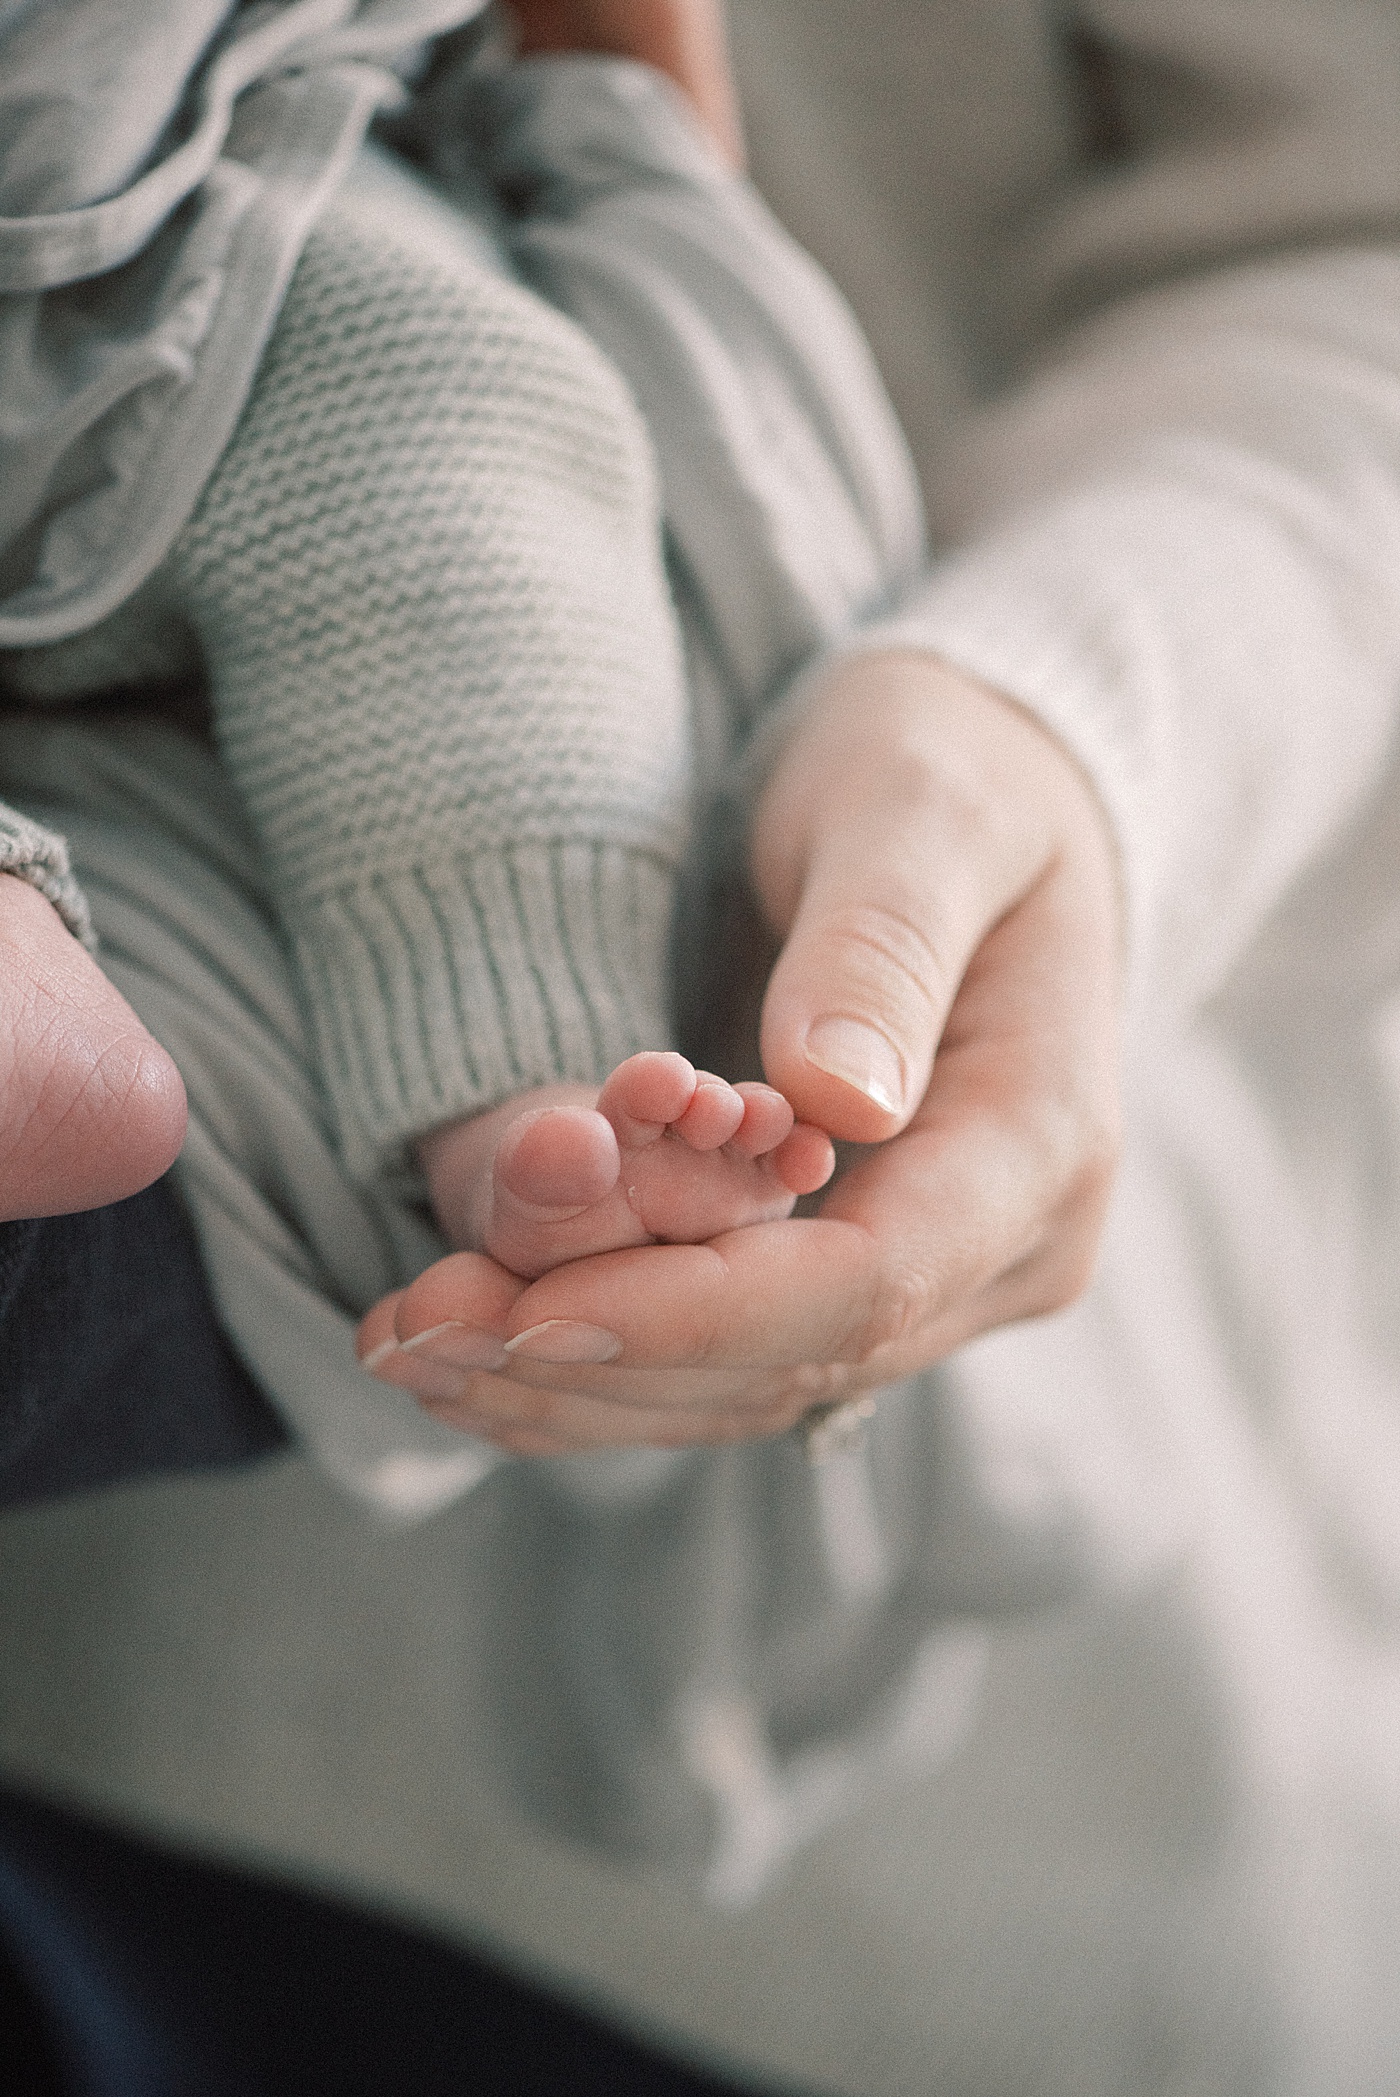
(558, 1161)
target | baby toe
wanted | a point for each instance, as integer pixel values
(714, 1114)
(767, 1120)
(561, 1159)
(805, 1160)
(646, 1094)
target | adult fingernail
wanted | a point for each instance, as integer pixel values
(378, 1355)
(456, 1346)
(861, 1056)
(561, 1340)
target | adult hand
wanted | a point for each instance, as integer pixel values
(943, 879)
(91, 1108)
(685, 39)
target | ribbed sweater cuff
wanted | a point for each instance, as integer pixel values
(40, 857)
(437, 992)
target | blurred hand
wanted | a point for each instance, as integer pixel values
(684, 39)
(91, 1107)
(943, 879)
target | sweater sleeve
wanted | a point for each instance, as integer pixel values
(40, 857)
(790, 501)
(427, 582)
(1181, 549)
(1178, 541)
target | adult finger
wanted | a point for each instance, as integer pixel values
(454, 1314)
(547, 1420)
(692, 1311)
(768, 1297)
(535, 1407)
(457, 1319)
(902, 822)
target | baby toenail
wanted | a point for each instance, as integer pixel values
(563, 1340)
(377, 1356)
(456, 1346)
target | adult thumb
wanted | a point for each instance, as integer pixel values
(886, 848)
(860, 992)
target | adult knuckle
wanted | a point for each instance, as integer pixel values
(1073, 1138)
(1060, 1283)
(1086, 1185)
(1064, 1270)
(905, 958)
(1103, 1149)
(778, 1416)
(771, 1403)
(818, 1383)
(796, 1401)
(907, 1301)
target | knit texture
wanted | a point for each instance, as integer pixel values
(40, 857)
(427, 582)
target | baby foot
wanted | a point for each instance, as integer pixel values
(663, 1151)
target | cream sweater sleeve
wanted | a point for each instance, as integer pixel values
(1180, 547)
(1179, 541)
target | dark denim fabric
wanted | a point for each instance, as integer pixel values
(136, 1973)
(111, 1364)
(126, 1971)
